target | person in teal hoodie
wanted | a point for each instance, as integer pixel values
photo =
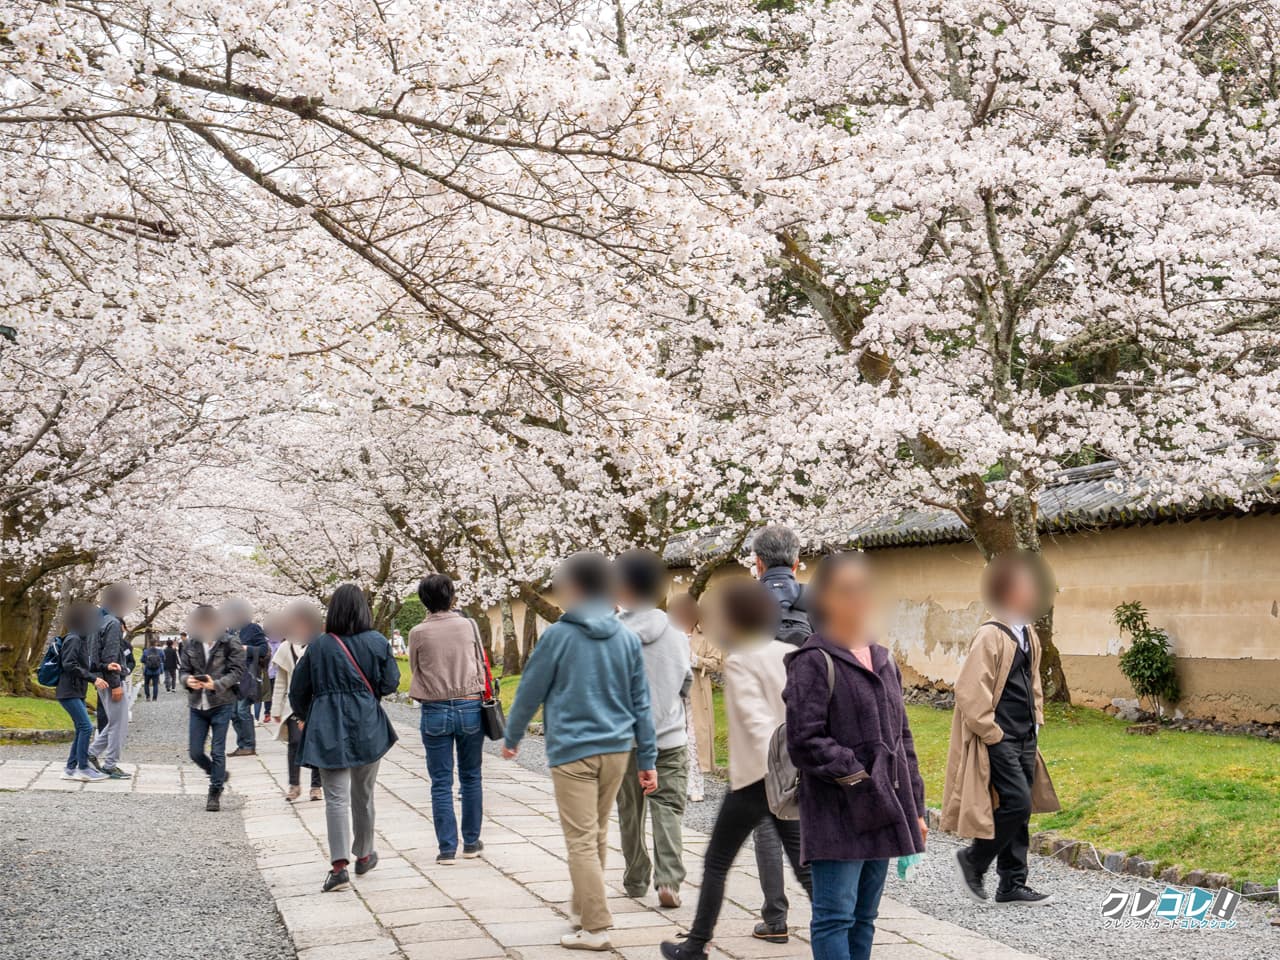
(587, 674)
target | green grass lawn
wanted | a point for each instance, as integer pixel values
(1198, 799)
(33, 713)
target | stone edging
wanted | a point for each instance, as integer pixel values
(22, 735)
(1083, 855)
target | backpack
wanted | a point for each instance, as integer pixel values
(50, 670)
(793, 624)
(152, 660)
(781, 778)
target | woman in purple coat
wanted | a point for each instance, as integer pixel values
(861, 796)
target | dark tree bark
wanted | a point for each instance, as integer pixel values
(529, 635)
(510, 643)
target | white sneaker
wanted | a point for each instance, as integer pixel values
(90, 775)
(586, 940)
(69, 774)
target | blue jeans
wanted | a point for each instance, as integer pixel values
(78, 759)
(212, 724)
(846, 899)
(151, 685)
(242, 720)
(446, 725)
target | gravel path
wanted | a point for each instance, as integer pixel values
(1070, 928)
(181, 884)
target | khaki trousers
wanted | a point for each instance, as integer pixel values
(585, 793)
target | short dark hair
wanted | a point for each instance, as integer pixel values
(641, 572)
(588, 572)
(435, 590)
(348, 612)
(748, 606)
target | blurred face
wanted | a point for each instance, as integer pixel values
(1022, 595)
(205, 626)
(297, 629)
(846, 604)
(125, 603)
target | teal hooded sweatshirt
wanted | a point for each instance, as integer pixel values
(587, 673)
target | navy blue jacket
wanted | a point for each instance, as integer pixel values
(345, 725)
(257, 655)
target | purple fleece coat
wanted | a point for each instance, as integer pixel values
(861, 727)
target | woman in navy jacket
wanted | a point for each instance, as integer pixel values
(337, 689)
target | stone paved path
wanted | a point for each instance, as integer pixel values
(511, 903)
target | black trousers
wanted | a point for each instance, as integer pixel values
(740, 813)
(1013, 766)
(294, 728)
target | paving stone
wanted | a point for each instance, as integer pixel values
(448, 930)
(477, 948)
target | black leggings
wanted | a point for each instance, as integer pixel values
(294, 727)
(740, 813)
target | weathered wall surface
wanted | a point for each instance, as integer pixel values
(1213, 584)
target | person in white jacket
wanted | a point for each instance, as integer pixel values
(754, 675)
(301, 623)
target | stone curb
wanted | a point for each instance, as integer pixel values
(1084, 856)
(22, 735)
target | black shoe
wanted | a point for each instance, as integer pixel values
(365, 864)
(772, 934)
(93, 762)
(970, 878)
(115, 773)
(681, 951)
(447, 859)
(336, 880)
(214, 803)
(472, 850)
(1022, 894)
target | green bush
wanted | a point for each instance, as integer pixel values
(410, 615)
(1148, 664)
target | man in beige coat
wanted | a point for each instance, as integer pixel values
(996, 777)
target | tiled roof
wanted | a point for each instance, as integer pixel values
(1084, 498)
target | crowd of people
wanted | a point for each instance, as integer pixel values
(822, 764)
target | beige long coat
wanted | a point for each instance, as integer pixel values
(968, 802)
(707, 660)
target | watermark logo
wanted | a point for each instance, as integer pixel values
(1194, 909)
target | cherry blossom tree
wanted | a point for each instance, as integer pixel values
(1053, 237)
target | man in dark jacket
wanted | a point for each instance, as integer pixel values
(210, 664)
(238, 618)
(111, 663)
(171, 665)
(776, 551)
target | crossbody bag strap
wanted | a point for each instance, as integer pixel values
(356, 666)
(484, 661)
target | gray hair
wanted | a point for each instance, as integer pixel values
(776, 546)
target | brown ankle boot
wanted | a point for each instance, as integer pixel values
(294, 793)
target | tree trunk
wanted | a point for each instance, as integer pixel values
(25, 621)
(1015, 528)
(480, 615)
(529, 635)
(510, 644)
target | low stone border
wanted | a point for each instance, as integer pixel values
(22, 735)
(1083, 855)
